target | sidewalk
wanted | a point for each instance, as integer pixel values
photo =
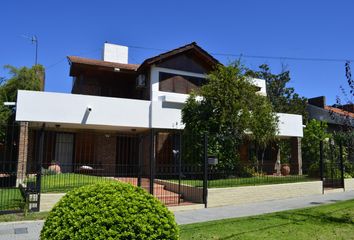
(209, 214)
(30, 230)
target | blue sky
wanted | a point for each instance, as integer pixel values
(303, 28)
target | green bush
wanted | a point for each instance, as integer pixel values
(334, 172)
(48, 171)
(109, 211)
(314, 170)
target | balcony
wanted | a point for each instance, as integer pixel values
(83, 111)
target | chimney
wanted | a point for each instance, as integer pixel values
(318, 101)
(115, 53)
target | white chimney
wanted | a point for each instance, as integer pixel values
(115, 53)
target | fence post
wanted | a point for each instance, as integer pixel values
(205, 175)
(341, 163)
(152, 161)
(39, 167)
(321, 165)
(140, 160)
(179, 166)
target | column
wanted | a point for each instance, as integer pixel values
(296, 156)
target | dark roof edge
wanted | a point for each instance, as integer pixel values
(192, 45)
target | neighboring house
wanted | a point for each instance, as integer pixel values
(115, 105)
(335, 116)
(338, 118)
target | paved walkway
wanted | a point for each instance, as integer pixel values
(21, 230)
(30, 230)
(209, 214)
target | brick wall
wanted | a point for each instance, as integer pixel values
(22, 152)
(296, 156)
(105, 153)
(31, 163)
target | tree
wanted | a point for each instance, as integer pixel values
(345, 135)
(229, 109)
(314, 133)
(20, 79)
(284, 99)
(263, 125)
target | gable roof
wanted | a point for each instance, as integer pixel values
(191, 47)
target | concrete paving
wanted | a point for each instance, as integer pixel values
(30, 230)
(217, 213)
(26, 230)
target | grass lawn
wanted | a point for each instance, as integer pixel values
(334, 221)
(67, 181)
(250, 181)
(21, 217)
(11, 199)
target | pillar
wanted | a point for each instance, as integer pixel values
(22, 153)
(296, 156)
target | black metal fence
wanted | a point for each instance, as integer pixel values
(61, 161)
(246, 174)
(333, 164)
(12, 198)
(173, 166)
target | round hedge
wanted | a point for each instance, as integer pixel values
(109, 211)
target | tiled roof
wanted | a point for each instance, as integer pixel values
(94, 62)
(339, 111)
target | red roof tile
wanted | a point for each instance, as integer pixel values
(339, 111)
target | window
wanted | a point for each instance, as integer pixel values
(169, 82)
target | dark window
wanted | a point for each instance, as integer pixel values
(169, 82)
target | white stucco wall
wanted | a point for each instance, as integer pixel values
(163, 112)
(51, 107)
(290, 125)
(115, 53)
(260, 83)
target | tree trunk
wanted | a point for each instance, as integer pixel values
(263, 152)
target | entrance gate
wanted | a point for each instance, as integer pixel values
(332, 168)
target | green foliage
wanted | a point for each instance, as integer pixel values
(314, 170)
(20, 79)
(109, 211)
(283, 98)
(285, 150)
(228, 108)
(46, 171)
(314, 132)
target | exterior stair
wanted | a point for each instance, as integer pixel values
(166, 197)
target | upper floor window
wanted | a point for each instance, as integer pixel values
(169, 82)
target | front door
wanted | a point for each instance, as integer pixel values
(127, 155)
(64, 146)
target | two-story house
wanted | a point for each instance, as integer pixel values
(115, 105)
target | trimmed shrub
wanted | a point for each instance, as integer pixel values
(109, 211)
